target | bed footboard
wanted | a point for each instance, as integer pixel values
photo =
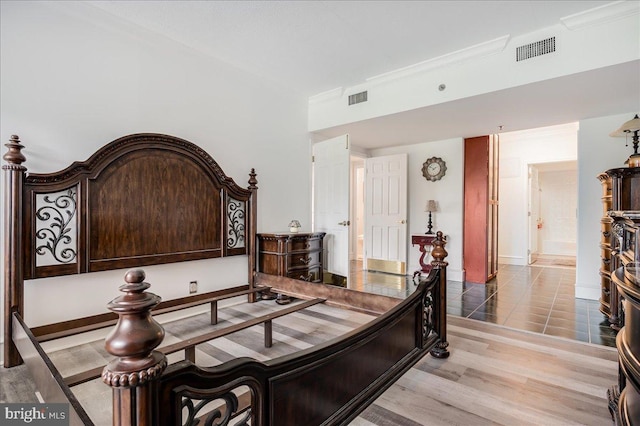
(323, 385)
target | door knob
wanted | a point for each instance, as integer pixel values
(345, 223)
(402, 222)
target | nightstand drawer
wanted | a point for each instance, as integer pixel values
(312, 275)
(304, 244)
(304, 259)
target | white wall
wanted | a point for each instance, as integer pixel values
(448, 192)
(597, 152)
(517, 151)
(74, 78)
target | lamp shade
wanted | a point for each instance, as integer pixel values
(630, 126)
(294, 225)
(432, 206)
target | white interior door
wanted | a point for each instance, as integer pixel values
(386, 213)
(331, 201)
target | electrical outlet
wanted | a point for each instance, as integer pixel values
(193, 287)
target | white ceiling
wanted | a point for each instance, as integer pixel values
(316, 46)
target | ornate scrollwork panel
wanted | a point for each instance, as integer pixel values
(428, 314)
(220, 410)
(618, 229)
(236, 213)
(56, 227)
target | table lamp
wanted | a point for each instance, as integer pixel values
(432, 206)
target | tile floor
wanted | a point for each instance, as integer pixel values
(534, 298)
(538, 299)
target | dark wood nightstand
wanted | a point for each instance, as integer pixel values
(293, 255)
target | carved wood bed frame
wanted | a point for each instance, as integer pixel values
(105, 213)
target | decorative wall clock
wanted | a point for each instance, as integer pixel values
(434, 169)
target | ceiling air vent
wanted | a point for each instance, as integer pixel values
(537, 48)
(357, 98)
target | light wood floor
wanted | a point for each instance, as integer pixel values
(500, 376)
(495, 375)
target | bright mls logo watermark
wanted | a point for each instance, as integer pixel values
(34, 414)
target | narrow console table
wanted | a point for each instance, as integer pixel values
(424, 241)
(294, 255)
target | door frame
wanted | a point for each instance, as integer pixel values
(357, 163)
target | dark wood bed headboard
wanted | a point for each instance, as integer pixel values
(142, 199)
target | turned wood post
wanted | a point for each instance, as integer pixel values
(13, 256)
(251, 237)
(439, 253)
(133, 373)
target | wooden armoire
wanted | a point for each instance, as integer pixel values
(480, 234)
(620, 281)
(620, 192)
(624, 397)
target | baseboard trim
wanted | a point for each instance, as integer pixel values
(388, 266)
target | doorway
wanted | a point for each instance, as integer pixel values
(378, 213)
(373, 223)
(553, 210)
(356, 249)
(538, 193)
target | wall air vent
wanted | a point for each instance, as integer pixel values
(537, 48)
(358, 98)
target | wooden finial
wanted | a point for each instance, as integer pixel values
(438, 252)
(14, 155)
(135, 336)
(253, 182)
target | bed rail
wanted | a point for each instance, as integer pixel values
(325, 385)
(45, 333)
(189, 345)
(46, 376)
